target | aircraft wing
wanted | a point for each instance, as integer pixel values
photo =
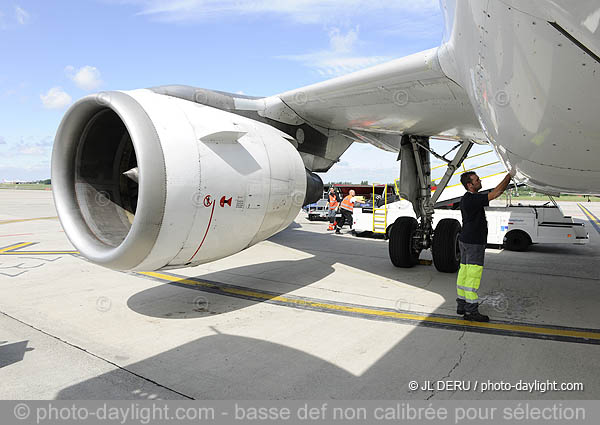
(411, 95)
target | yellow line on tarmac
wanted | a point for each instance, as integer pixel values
(15, 246)
(373, 312)
(20, 220)
(589, 214)
(38, 252)
(591, 217)
(14, 250)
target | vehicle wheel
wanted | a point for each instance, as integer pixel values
(517, 240)
(444, 247)
(388, 231)
(402, 252)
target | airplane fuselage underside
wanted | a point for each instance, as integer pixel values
(533, 78)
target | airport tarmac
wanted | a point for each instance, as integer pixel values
(304, 315)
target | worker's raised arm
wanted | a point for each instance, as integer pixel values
(499, 190)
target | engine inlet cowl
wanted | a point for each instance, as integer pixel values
(143, 181)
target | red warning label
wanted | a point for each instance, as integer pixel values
(224, 201)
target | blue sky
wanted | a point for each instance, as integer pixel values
(55, 52)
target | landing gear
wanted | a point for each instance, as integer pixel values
(408, 237)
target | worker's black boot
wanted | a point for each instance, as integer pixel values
(472, 313)
(460, 307)
(476, 317)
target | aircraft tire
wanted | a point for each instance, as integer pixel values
(400, 247)
(444, 248)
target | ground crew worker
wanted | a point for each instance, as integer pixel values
(346, 208)
(333, 205)
(472, 241)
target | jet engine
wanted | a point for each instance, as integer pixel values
(143, 181)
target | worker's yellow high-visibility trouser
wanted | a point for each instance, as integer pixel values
(469, 274)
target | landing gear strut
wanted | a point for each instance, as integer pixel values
(408, 237)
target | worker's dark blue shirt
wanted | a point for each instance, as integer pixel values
(474, 224)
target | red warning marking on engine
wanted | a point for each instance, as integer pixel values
(207, 229)
(207, 201)
(225, 201)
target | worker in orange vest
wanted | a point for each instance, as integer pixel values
(346, 208)
(333, 205)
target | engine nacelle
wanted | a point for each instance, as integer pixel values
(143, 181)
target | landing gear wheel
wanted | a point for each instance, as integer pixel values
(517, 240)
(401, 246)
(444, 247)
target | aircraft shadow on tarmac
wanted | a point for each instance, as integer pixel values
(228, 367)
(223, 366)
(283, 276)
(368, 258)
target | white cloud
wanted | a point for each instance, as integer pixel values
(32, 150)
(343, 54)
(29, 146)
(340, 58)
(26, 159)
(56, 98)
(2, 141)
(410, 28)
(343, 42)
(21, 15)
(87, 77)
(303, 11)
